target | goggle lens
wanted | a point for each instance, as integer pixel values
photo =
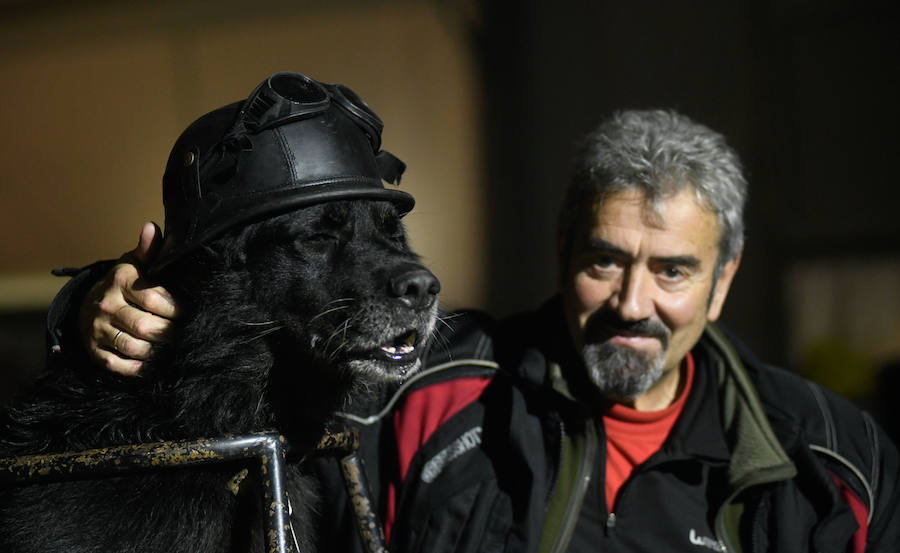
(293, 87)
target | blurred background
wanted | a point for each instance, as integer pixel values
(483, 101)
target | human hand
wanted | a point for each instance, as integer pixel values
(123, 315)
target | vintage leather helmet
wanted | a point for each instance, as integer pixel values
(293, 142)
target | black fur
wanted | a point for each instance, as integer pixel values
(283, 321)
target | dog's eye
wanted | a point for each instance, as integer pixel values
(322, 237)
(316, 241)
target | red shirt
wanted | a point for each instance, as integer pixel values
(632, 436)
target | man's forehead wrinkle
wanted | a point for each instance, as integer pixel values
(653, 208)
(655, 198)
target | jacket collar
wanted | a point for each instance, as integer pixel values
(757, 457)
(755, 454)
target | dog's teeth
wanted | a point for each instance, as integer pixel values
(404, 346)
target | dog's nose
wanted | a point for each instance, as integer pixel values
(415, 286)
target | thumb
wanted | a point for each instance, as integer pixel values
(149, 243)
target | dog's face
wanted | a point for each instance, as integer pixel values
(337, 284)
(286, 319)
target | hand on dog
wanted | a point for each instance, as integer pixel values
(123, 314)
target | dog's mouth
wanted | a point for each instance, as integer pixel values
(395, 358)
(402, 349)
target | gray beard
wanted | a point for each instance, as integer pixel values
(619, 371)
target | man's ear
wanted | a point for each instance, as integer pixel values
(721, 287)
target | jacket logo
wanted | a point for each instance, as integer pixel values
(468, 441)
(703, 541)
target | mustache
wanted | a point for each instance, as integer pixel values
(604, 323)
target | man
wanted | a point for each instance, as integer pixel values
(621, 418)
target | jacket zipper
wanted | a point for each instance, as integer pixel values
(559, 461)
(582, 480)
(721, 534)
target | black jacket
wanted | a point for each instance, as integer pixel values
(756, 459)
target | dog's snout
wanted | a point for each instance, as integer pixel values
(415, 286)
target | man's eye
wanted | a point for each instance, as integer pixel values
(602, 267)
(673, 272)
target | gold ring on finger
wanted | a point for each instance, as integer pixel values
(116, 340)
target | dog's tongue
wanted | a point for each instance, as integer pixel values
(402, 346)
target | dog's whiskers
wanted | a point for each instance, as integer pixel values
(337, 350)
(443, 321)
(327, 311)
(260, 335)
(340, 328)
(436, 334)
(343, 343)
(447, 316)
(337, 300)
(248, 323)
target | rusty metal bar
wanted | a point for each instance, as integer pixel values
(368, 525)
(371, 532)
(275, 498)
(131, 458)
(269, 448)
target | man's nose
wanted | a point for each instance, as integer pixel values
(634, 299)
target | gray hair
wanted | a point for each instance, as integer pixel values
(659, 153)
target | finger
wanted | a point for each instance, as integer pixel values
(155, 299)
(113, 312)
(117, 363)
(129, 287)
(126, 345)
(149, 242)
(140, 324)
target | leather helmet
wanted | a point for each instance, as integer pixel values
(293, 142)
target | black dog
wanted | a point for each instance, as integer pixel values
(285, 316)
(282, 319)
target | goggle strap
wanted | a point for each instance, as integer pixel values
(390, 166)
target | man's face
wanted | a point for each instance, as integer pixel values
(639, 289)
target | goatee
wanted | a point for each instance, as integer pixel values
(619, 371)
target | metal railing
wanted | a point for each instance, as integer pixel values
(267, 449)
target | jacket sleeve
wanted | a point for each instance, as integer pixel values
(63, 341)
(884, 527)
